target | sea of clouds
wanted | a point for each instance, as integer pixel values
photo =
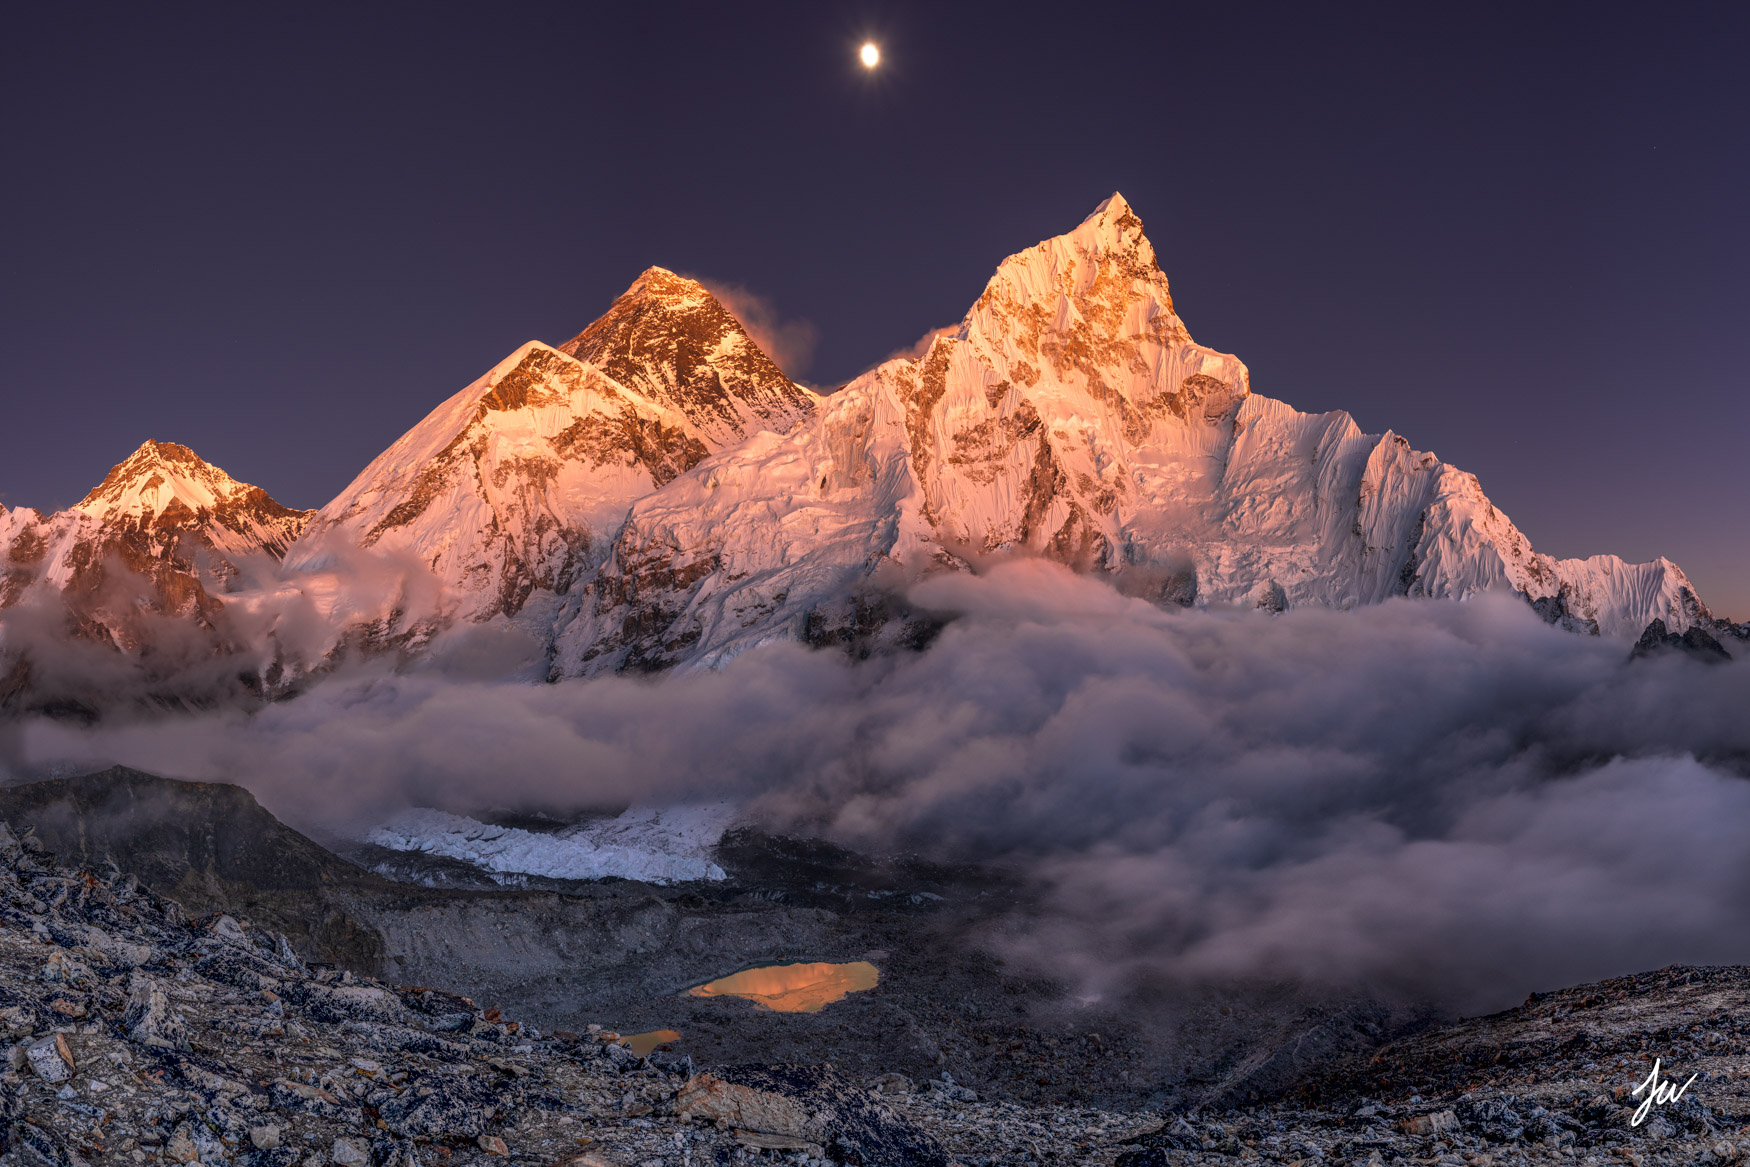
(1433, 800)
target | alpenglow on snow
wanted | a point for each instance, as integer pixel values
(656, 492)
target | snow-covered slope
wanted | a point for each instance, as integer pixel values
(1072, 416)
(749, 544)
(519, 482)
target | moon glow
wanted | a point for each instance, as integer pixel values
(870, 55)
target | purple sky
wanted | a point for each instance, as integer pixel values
(1516, 236)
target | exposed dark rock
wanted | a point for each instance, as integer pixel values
(1695, 643)
(870, 622)
(671, 339)
(1270, 597)
(1553, 609)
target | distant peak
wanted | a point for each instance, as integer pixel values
(1111, 234)
(159, 475)
(658, 294)
(154, 464)
(670, 338)
(154, 455)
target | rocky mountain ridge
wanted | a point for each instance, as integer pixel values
(656, 492)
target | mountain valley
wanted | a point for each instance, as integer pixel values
(1167, 761)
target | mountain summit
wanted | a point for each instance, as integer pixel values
(517, 484)
(656, 492)
(165, 491)
(671, 340)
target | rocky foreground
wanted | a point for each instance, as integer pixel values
(137, 1035)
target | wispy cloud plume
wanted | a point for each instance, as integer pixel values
(789, 342)
(921, 345)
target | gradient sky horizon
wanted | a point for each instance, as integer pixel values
(1514, 235)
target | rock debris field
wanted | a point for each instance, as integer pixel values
(136, 1034)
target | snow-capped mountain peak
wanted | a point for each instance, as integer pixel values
(512, 485)
(670, 339)
(517, 484)
(170, 491)
(656, 492)
(1071, 416)
(163, 534)
(1090, 309)
(1069, 383)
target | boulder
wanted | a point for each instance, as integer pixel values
(148, 1018)
(811, 1104)
(349, 1153)
(50, 1059)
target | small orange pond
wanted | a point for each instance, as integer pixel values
(793, 988)
(643, 1044)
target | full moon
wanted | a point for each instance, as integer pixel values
(871, 55)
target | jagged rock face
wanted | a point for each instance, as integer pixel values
(1695, 642)
(1071, 416)
(1033, 427)
(671, 340)
(27, 538)
(518, 483)
(104, 576)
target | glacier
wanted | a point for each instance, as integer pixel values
(661, 845)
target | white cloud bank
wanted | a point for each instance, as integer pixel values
(1432, 798)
